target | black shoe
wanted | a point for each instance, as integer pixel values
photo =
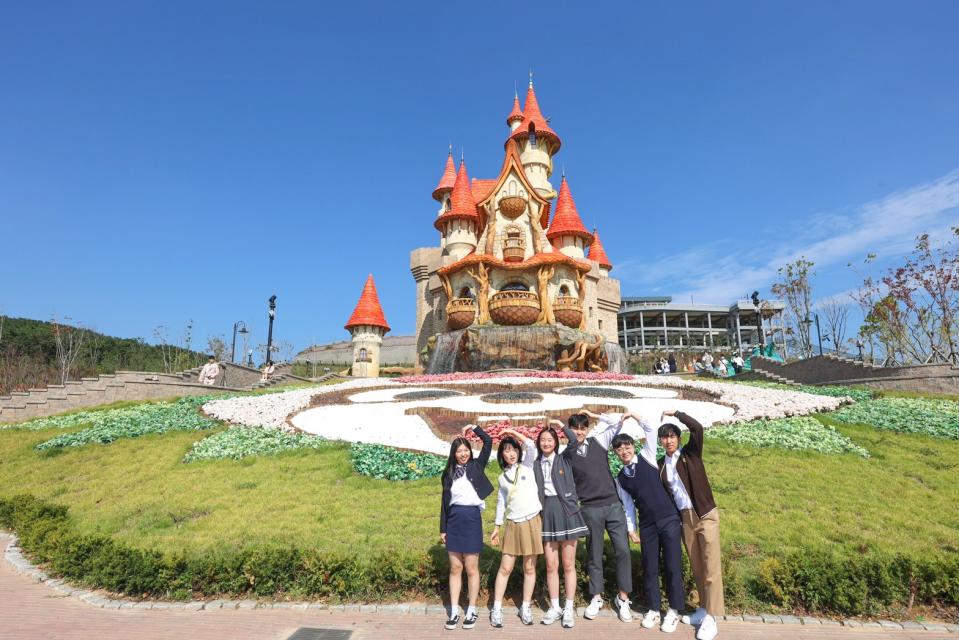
(470, 621)
(453, 622)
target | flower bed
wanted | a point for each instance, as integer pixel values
(495, 431)
(835, 391)
(387, 463)
(936, 418)
(241, 442)
(512, 397)
(466, 377)
(428, 394)
(133, 422)
(596, 392)
(795, 434)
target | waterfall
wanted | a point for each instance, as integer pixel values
(617, 358)
(443, 358)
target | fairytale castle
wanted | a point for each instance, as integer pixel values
(507, 255)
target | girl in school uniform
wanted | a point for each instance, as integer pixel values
(465, 487)
(517, 511)
(563, 524)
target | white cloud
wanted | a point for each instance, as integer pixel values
(724, 271)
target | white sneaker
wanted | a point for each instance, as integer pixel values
(623, 611)
(526, 615)
(594, 606)
(695, 618)
(708, 629)
(496, 618)
(569, 617)
(552, 616)
(670, 621)
(650, 619)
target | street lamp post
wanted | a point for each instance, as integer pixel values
(808, 321)
(243, 331)
(759, 321)
(269, 335)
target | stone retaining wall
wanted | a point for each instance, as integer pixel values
(931, 378)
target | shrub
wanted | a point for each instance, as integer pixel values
(797, 434)
(936, 418)
(379, 461)
(241, 442)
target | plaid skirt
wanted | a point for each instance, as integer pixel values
(559, 526)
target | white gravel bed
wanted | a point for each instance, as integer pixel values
(639, 392)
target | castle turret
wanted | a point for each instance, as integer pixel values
(443, 190)
(367, 326)
(566, 232)
(538, 144)
(598, 255)
(459, 225)
(515, 116)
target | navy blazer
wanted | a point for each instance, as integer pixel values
(475, 473)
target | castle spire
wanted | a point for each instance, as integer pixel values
(598, 254)
(533, 119)
(566, 220)
(462, 204)
(368, 311)
(516, 115)
(449, 177)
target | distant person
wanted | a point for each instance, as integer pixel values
(738, 363)
(708, 360)
(671, 362)
(210, 372)
(268, 370)
(684, 475)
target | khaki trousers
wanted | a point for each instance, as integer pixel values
(701, 537)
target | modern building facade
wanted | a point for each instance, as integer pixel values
(659, 324)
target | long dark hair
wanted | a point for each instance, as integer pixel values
(508, 441)
(551, 431)
(451, 461)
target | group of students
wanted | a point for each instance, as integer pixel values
(548, 500)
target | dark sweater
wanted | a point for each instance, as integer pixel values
(653, 502)
(691, 469)
(594, 480)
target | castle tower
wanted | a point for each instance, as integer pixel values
(566, 232)
(368, 326)
(598, 255)
(538, 143)
(459, 226)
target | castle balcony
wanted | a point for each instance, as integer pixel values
(514, 248)
(514, 308)
(568, 311)
(512, 206)
(460, 313)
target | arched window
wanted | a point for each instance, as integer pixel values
(449, 204)
(515, 286)
(363, 357)
(532, 136)
(563, 290)
(466, 292)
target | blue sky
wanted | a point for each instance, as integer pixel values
(166, 161)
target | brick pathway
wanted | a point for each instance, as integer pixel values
(29, 611)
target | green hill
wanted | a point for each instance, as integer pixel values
(28, 354)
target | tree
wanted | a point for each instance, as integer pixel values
(836, 315)
(794, 288)
(217, 346)
(68, 341)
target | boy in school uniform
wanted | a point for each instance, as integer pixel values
(660, 528)
(684, 475)
(600, 507)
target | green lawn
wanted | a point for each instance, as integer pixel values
(901, 499)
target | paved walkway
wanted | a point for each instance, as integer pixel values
(29, 610)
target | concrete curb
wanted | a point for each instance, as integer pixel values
(14, 556)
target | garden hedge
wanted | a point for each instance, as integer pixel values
(826, 581)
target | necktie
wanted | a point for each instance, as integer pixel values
(459, 471)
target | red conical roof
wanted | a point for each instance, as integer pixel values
(516, 113)
(566, 220)
(597, 253)
(532, 116)
(448, 179)
(368, 310)
(462, 204)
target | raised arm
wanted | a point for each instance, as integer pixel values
(695, 445)
(483, 457)
(611, 427)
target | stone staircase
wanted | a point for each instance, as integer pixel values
(19, 406)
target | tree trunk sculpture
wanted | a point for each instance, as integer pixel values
(546, 315)
(482, 295)
(581, 292)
